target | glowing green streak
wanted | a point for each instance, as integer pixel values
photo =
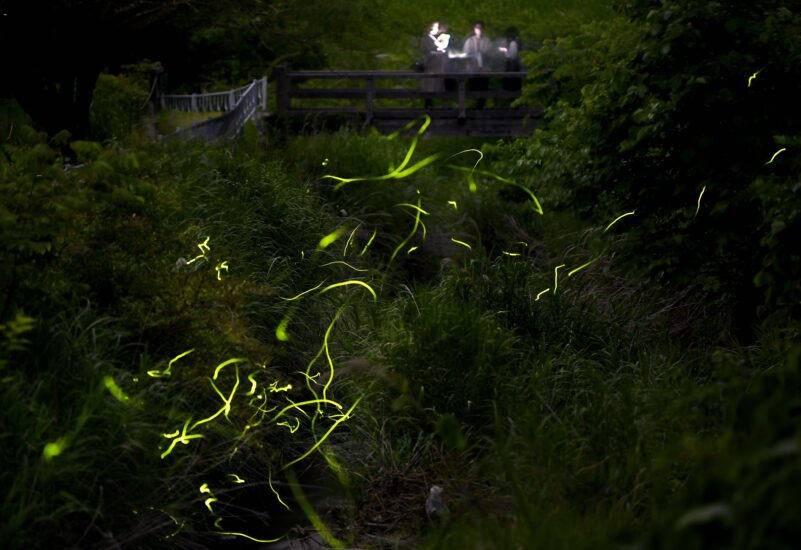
(369, 242)
(752, 77)
(328, 354)
(270, 483)
(776, 154)
(280, 330)
(408, 238)
(412, 249)
(511, 253)
(205, 489)
(220, 267)
(115, 390)
(556, 277)
(453, 203)
(274, 387)
(288, 425)
(579, 268)
(351, 282)
(201, 246)
(537, 299)
(457, 241)
(305, 291)
(226, 408)
(55, 448)
(168, 371)
(301, 403)
(307, 508)
(420, 131)
(325, 436)
(184, 439)
(401, 171)
(698, 207)
(415, 207)
(235, 478)
(343, 263)
(170, 436)
(252, 384)
(472, 183)
(618, 219)
(225, 364)
(412, 169)
(254, 539)
(350, 238)
(330, 238)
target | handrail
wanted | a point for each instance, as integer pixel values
(286, 90)
(230, 123)
(214, 101)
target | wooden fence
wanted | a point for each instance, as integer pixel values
(468, 103)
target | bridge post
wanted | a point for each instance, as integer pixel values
(263, 93)
(369, 86)
(282, 84)
(231, 100)
(194, 103)
(462, 97)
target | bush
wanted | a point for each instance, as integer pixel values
(640, 119)
(118, 104)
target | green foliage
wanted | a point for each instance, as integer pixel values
(637, 120)
(118, 105)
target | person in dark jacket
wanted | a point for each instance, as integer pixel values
(511, 52)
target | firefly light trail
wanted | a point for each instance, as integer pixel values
(698, 207)
(618, 219)
(776, 154)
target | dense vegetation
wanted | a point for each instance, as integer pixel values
(589, 338)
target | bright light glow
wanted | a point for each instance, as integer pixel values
(698, 207)
(224, 364)
(776, 154)
(344, 417)
(204, 248)
(168, 370)
(453, 203)
(369, 242)
(579, 268)
(556, 276)
(537, 299)
(115, 390)
(305, 292)
(184, 439)
(342, 263)
(350, 238)
(280, 330)
(330, 238)
(351, 282)
(270, 483)
(752, 77)
(457, 241)
(219, 267)
(55, 448)
(254, 539)
(618, 219)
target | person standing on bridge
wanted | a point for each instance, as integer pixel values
(478, 49)
(511, 51)
(435, 58)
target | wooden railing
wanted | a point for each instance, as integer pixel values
(468, 103)
(288, 89)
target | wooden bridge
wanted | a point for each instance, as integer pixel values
(388, 100)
